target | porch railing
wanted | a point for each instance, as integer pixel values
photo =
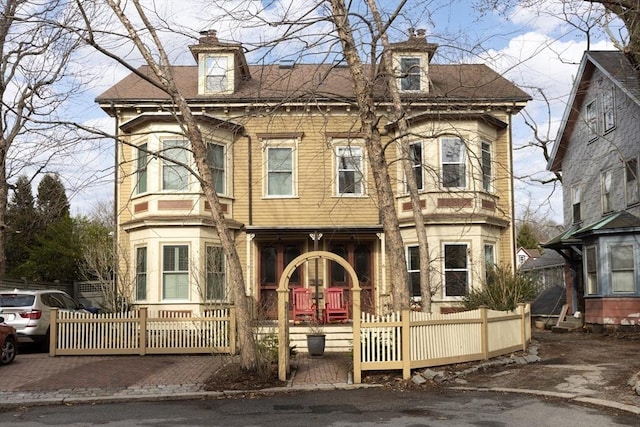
(134, 332)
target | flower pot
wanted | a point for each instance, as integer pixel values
(315, 345)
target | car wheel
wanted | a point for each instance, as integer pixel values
(43, 344)
(9, 351)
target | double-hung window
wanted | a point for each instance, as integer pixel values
(487, 173)
(415, 155)
(216, 277)
(175, 175)
(454, 169)
(141, 273)
(413, 268)
(592, 120)
(456, 270)
(591, 269)
(350, 164)
(489, 258)
(622, 269)
(141, 169)
(216, 69)
(631, 181)
(175, 272)
(576, 196)
(608, 110)
(216, 161)
(607, 197)
(280, 171)
(410, 73)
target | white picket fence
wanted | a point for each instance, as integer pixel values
(134, 332)
(409, 340)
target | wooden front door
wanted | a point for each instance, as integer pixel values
(274, 257)
(360, 256)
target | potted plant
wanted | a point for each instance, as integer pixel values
(316, 340)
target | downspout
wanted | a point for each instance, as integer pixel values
(250, 178)
(116, 151)
(511, 188)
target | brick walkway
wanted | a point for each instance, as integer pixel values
(38, 377)
(331, 369)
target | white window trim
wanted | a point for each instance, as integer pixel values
(409, 271)
(415, 166)
(576, 188)
(585, 272)
(446, 297)
(419, 73)
(610, 249)
(591, 120)
(203, 73)
(628, 200)
(463, 162)
(187, 272)
(168, 163)
(225, 166)
(137, 273)
(603, 184)
(137, 169)
(291, 144)
(336, 159)
(493, 247)
(224, 272)
(608, 111)
(490, 185)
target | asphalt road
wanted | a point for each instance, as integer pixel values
(363, 407)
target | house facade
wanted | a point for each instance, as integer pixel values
(597, 151)
(291, 172)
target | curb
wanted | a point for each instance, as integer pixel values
(567, 396)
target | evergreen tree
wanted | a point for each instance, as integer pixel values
(57, 254)
(52, 200)
(22, 227)
(527, 238)
(48, 247)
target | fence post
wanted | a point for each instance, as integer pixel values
(523, 326)
(406, 343)
(484, 332)
(142, 339)
(53, 332)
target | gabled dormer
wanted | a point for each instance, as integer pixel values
(411, 62)
(221, 65)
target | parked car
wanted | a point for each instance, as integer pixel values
(29, 312)
(8, 343)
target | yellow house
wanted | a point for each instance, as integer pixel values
(291, 171)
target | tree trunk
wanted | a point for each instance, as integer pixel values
(163, 72)
(363, 88)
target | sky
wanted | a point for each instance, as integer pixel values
(534, 48)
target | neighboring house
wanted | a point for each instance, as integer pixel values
(547, 269)
(292, 175)
(523, 254)
(597, 152)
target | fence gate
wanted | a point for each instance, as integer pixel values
(283, 309)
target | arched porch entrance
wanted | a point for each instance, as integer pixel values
(283, 305)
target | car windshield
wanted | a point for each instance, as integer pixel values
(16, 300)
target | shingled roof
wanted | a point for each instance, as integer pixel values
(302, 82)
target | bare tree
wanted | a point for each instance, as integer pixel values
(34, 58)
(152, 50)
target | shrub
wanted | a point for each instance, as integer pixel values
(503, 290)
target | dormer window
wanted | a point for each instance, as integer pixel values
(410, 73)
(216, 68)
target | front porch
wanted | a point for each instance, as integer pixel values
(339, 336)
